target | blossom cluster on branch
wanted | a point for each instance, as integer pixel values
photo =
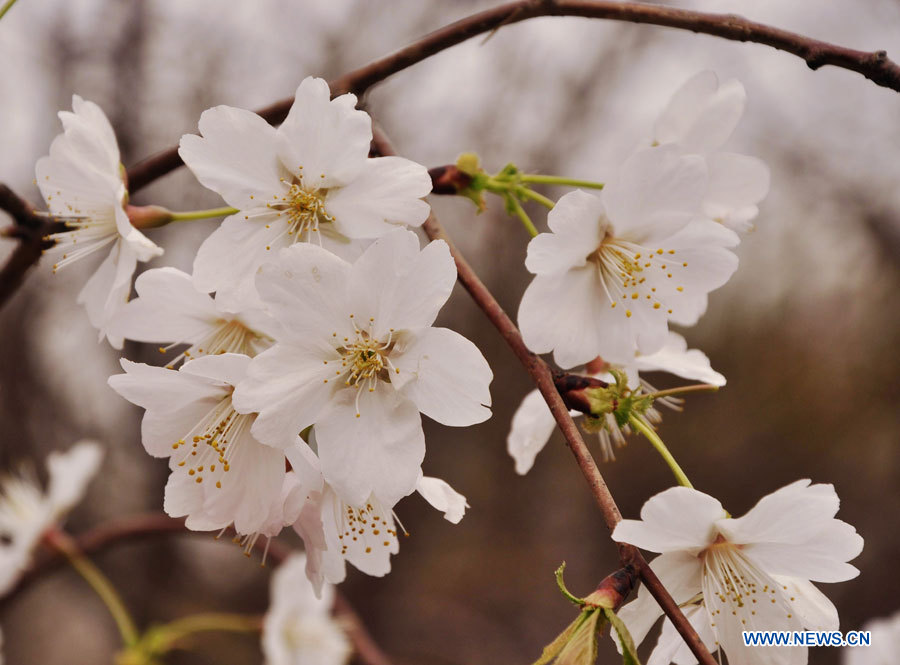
(307, 354)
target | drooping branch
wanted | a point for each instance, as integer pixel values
(545, 380)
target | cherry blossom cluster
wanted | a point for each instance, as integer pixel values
(307, 354)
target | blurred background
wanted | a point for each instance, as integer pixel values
(806, 332)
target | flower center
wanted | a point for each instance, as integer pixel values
(635, 275)
(364, 528)
(365, 359)
(224, 337)
(304, 208)
(208, 448)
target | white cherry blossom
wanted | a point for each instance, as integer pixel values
(298, 628)
(309, 180)
(81, 180)
(749, 573)
(358, 357)
(27, 511)
(533, 424)
(699, 119)
(885, 645)
(364, 534)
(616, 268)
(171, 311)
(220, 474)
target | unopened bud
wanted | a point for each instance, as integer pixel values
(613, 589)
(148, 217)
(576, 391)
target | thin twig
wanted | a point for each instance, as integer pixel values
(543, 377)
(152, 525)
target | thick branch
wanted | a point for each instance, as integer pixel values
(875, 66)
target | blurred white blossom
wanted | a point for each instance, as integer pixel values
(82, 179)
(699, 119)
(750, 573)
(885, 645)
(298, 628)
(26, 511)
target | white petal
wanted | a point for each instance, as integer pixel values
(671, 647)
(442, 497)
(822, 558)
(369, 545)
(378, 453)
(144, 248)
(326, 137)
(168, 309)
(702, 115)
(656, 192)
(677, 519)
(532, 426)
(736, 184)
(106, 292)
(230, 368)
(288, 386)
(229, 258)
(386, 194)
(398, 285)
(571, 316)
(816, 612)
(304, 288)
(237, 157)
(578, 226)
(677, 359)
(792, 514)
(445, 375)
(69, 474)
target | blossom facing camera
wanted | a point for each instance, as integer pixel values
(81, 182)
(298, 628)
(616, 268)
(26, 511)
(311, 180)
(220, 474)
(358, 358)
(699, 119)
(750, 573)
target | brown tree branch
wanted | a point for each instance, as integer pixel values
(816, 53)
(875, 66)
(152, 525)
(545, 380)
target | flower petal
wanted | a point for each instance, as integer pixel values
(289, 387)
(578, 224)
(816, 612)
(379, 452)
(442, 497)
(69, 474)
(329, 138)
(702, 114)
(679, 518)
(237, 156)
(445, 375)
(677, 359)
(532, 426)
(386, 195)
(656, 192)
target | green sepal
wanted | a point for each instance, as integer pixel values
(629, 652)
